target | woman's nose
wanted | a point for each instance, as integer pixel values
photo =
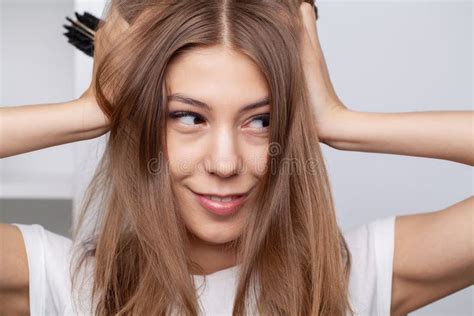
(224, 157)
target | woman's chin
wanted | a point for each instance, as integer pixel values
(213, 237)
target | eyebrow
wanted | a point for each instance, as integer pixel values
(188, 100)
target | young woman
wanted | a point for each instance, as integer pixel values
(212, 193)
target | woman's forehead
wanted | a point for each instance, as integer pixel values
(216, 74)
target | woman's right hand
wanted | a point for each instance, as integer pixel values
(33, 127)
(107, 33)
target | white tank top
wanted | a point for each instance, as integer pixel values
(49, 254)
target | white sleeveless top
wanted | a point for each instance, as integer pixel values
(370, 283)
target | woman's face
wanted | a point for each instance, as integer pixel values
(218, 144)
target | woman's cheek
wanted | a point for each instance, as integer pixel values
(257, 160)
(183, 154)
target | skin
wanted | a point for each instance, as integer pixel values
(222, 150)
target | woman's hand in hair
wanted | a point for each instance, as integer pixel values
(104, 39)
(327, 104)
(32, 127)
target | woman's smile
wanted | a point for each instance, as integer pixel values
(221, 205)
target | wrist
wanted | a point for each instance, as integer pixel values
(91, 122)
(334, 126)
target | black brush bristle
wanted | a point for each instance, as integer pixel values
(89, 20)
(80, 37)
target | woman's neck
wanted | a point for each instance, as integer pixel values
(211, 257)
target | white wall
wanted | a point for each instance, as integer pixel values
(87, 153)
(36, 67)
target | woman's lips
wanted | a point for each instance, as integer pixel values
(218, 207)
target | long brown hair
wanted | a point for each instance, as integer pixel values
(290, 244)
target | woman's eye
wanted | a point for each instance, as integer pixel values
(261, 121)
(187, 118)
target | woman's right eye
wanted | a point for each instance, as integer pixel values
(187, 118)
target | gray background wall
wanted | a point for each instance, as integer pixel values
(37, 67)
(383, 56)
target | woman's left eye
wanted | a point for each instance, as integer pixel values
(262, 121)
(187, 118)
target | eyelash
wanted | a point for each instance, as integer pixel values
(178, 114)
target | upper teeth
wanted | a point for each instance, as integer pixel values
(216, 198)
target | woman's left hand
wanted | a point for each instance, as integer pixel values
(321, 91)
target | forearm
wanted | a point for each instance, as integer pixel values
(436, 134)
(31, 127)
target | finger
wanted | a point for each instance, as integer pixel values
(309, 20)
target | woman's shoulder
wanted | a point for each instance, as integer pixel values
(376, 232)
(49, 261)
(372, 248)
(40, 236)
(45, 249)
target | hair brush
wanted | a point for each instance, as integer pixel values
(81, 32)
